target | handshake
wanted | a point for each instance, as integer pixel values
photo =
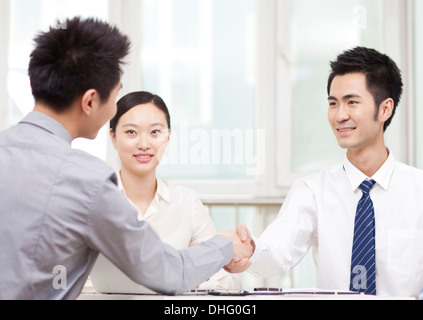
(244, 247)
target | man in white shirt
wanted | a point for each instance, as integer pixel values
(320, 210)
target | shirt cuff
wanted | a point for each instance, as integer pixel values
(257, 251)
(256, 257)
(226, 247)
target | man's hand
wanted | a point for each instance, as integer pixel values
(238, 267)
(244, 234)
(244, 248)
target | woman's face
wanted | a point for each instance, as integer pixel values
(141, 137)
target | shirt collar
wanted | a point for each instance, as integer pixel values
(47, 123)
(382, 176)
(162, 189)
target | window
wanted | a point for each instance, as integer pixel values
(199, 56)
(245, 81)
(310, 35)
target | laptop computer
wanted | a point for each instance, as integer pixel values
(107, 278)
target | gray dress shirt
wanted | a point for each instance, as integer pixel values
(60, 207)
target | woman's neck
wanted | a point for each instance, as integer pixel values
(140, 189)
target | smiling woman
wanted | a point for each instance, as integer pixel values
(141, 136)
(140, 132)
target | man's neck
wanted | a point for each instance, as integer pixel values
(67, 119)
(368, 160)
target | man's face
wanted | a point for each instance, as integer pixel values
(352, 113)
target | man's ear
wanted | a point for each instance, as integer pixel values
(386, 109)
(89, 100)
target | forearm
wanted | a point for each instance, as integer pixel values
(273, 259)
(136, 249)
(202, 261)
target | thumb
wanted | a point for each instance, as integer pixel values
(243, 233)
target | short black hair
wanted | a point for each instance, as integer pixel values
(383, 76)
(79, 55)
(137, 98)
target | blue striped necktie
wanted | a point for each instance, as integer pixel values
(363, 261)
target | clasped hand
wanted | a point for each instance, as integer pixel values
(243, 249)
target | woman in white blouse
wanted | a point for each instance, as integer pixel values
(140, 132)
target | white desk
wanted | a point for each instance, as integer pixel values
(295, 294)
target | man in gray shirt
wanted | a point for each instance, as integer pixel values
(60, 207)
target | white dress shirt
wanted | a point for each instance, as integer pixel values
(319, 213)
(181, 220)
